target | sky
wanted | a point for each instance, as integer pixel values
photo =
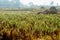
(41, 2)
(37, 2)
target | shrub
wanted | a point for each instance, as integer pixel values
(46, 12)
(53, 10)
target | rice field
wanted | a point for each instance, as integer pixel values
(22, 25)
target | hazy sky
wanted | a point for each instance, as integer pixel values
(39, 2)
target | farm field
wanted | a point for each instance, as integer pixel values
(28, 25)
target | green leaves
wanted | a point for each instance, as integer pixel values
(42, 22)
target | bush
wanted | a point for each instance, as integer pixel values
(46, 12)
(53, 10)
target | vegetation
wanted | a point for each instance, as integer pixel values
(53, 10)
(29, 26)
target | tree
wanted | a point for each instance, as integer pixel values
(53, 10)
(42, 7)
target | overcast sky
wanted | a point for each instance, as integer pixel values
(39, 2)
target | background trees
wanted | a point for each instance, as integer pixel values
(53, 10)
